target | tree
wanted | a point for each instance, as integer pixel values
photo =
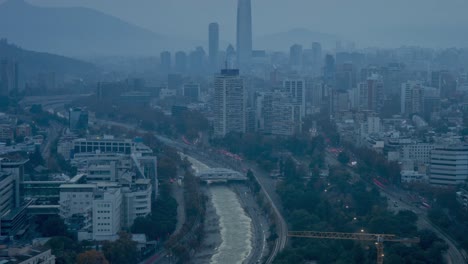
(343, 158)
(36, 109)
(91, 257)
(64, 249)
(52, 226)
(121, 251)
(36, 158)
(290, 169)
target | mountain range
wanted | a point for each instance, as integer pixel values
(74, 31)
(32, 63)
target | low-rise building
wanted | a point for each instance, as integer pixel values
(27, 255)
(412, 177)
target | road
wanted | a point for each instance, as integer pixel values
(259, 223)
(53, 132)
(454, 255)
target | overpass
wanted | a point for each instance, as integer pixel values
(214, 175)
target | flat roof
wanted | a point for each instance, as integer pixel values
(88, 185)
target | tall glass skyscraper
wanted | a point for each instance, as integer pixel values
(213, 49)
(244, 33)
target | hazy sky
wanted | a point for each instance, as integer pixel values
(368, 21)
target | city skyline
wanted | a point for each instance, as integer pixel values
(411, 27)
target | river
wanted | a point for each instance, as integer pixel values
(235, 226)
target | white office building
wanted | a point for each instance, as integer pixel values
(417, 152)
(107, 212)
(76, 199)
(449, 165)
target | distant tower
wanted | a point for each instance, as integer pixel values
(196, 61)
(213, 39)
(316, 57)
(181, 62)
(230, 57)
(295, 55)
(329, 69)
(165, 61)
(244, 33)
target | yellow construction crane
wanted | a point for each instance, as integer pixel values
(379, 239)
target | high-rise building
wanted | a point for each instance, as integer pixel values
(78, 119)
(180, 62)
(329, 70)
(370, 94)
(317, 52)
(281, 115)
(345, 76)
(339, 101)
(244, 33)
(317, 60)
(449, 165)
(296, 88)
(229, 103)
(166, 64)
(197, 61)
(295, 55)
(213, 42)
(314, 93)
(412, 98)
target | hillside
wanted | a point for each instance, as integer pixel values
(31, 63)
(73, 31)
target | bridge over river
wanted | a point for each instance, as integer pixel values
(215, 175)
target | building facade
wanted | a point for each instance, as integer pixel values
(449, 165)
(107, 212)
(229, 103)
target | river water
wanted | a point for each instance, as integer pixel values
(235, 226)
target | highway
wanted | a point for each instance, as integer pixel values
(454, 255)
